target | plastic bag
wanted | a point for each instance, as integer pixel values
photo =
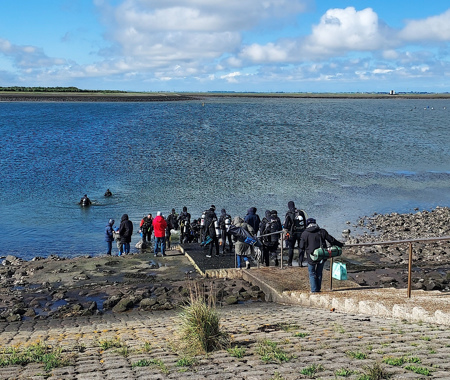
(339, 271)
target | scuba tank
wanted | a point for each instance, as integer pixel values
(202, 220)
(227, 224)
(216, 226)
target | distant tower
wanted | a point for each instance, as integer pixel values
(392, 92)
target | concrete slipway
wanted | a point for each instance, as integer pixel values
(290, 285)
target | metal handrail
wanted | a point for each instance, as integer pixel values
(391, 242)
(388, 242)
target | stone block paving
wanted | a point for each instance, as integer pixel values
(311, 344)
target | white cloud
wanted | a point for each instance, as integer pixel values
(28, 57)
(436, 28)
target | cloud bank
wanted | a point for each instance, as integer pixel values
(209, 44)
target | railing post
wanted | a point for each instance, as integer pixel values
(282, 242)
(409, 269)
(331, 275)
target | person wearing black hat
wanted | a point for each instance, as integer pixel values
(312, 238)
(294, 225)
(211, 228)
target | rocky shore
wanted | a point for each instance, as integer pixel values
(386, 265)
(55, 287)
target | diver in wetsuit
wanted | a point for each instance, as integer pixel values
(85, 201)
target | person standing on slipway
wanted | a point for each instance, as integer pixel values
(125, 233)
(109, 236)
(294, 225)
(159, 230)
(312, 238)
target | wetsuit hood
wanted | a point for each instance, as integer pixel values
(291, 205)
(124, 217)
(268, 214)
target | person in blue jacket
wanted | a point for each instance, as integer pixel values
(109, 236)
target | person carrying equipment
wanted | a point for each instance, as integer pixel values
(224, 225)
(184, 221)
(315, 237)
(211, 230)
(294, 225)
(269, 225)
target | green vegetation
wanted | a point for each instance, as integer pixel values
(37, 353)
(237, 352)
(311, 370)
(186, 362)
(151, 363)
(356, 355)
(344, 372)
(301, 334)
(400, 360)
(271, 353)
(419, 370)
(110, 343)
(200, 325)
(53, 89)
(375, 372)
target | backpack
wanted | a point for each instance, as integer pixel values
(271, 226)
(298, 218)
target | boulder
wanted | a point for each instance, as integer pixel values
(123, 305)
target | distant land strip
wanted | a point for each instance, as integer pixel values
(12, 96)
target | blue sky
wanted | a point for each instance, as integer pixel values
(233, 45)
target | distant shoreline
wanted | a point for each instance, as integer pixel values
(166, 96)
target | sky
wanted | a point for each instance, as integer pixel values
(227, 45)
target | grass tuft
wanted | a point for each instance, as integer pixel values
(200, 324)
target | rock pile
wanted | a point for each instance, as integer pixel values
(57, 288)
(431, 259)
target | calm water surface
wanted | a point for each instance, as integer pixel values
(337, 159)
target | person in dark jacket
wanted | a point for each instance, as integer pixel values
(252, 218)
(224, 225)
(294, 225)
(270, 223)
(184, 222)
(312, 238)
(210, 229)
(172, 224)
(125, 233)
(109, 236)
(146, 228)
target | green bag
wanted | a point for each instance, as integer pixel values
(326, 253)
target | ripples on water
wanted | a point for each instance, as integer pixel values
(337, 159)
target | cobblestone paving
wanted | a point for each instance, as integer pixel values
(311, 344)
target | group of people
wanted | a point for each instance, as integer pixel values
(239, 234)
(250, 232)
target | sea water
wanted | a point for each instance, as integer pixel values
(337, 159)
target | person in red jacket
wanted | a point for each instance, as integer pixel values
(159, 229)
